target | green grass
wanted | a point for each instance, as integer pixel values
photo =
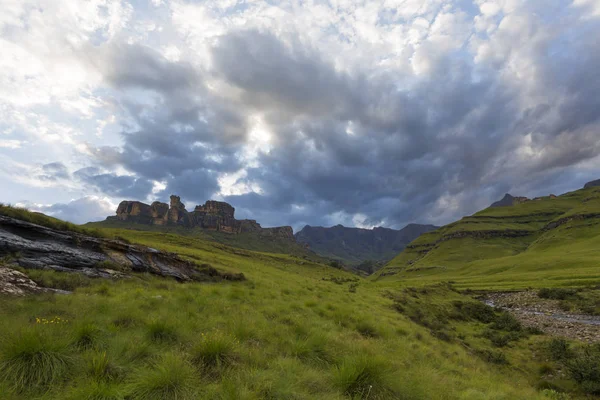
(44, 220)
(292, 330)
(476, 252)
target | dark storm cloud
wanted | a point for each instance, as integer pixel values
(408, 148)
(126, 187)
(394, 148)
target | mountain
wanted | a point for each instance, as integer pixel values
(214, 220)
(509, 200)
(554, 238)
(592, 184)
(355, 245)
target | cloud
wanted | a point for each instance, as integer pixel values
(79, 211)
(363, 114)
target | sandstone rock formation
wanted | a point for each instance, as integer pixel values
(212, 215)
(33, 246)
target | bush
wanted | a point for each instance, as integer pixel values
(172, 378)
(559, 349)
(474, 310)
(506, 322)
(32, 361)
(493, 357)
(584, 368)
(557, 293)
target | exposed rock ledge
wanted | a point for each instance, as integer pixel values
(37, 247)
(213, 215)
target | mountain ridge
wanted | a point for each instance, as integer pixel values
(357, 245)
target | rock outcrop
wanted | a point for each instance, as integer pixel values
(212, 215)
(34, 246)
(509, 200)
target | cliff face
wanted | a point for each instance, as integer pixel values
(212, 215)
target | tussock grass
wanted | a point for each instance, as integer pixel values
(364, 377)
(96, 391)
(170, 378)
(214, 350)
(32, 361)
(162, 331)
(86, 336)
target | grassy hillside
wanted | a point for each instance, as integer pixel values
(539, 243)
(293, 330)
(247, 241)
(354, 246)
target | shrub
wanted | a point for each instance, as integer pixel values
(559, 349)
(584, 368)
(171, 378)
(557, 293)
(474, 310)
(506, 322)
(32, 361)
(493, 357)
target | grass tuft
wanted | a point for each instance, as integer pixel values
(86, 336)
(363, 377)
(171, 378)
(31, 361)
(162, 331)
(215, 350)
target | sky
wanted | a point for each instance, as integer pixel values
(361, 113)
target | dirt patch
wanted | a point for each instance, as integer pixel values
(545, 314)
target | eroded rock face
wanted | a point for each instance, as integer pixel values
(15, 283)
(212, 215)
(36, 247)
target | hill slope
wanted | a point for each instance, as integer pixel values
(354, 245)
(550, 241)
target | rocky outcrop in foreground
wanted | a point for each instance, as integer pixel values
(33, 246)
(213, 215)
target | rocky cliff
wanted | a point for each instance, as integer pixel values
(212, 215)
(34, 246)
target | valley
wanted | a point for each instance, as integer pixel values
(203, 318)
